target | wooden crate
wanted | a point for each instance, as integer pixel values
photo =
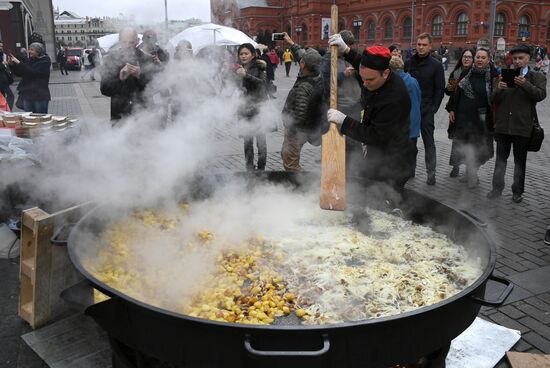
(45, 269)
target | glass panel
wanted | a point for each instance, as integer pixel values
(370, 31)
(462, 25)
(407, 28)
(499, 25)
(388, 29)
(437, 26)
(523, 26)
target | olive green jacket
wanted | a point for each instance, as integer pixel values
(514, 106)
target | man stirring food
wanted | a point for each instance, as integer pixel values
(385, 124)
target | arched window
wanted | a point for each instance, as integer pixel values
(500, 20)
(304, 32)
(341, 24)
(462, 25)
(437, 26)
(524, 22)
(388, 29)
(407, 28)
(548, 31)
(371, 31)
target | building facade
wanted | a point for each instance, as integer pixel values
(453, 23)
(72, 30)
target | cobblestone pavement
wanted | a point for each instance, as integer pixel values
(517, 229)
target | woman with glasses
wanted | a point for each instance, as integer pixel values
(470, 116)
(460, 70)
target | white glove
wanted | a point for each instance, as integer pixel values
(336, 117)
(336, 40)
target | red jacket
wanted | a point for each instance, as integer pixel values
(273, 57)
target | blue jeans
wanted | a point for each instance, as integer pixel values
(39, 107)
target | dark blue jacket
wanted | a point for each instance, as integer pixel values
(35, 78)
(416, 95)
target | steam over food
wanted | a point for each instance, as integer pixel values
(323, 270)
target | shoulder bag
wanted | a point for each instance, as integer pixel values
(537, 133)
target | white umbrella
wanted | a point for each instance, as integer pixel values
(107, 42)
(210, 34)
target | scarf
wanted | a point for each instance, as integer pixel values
(466, 85)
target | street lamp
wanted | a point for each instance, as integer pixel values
(298, 29)
(357, 23)
(492, 20)
(166, 19)
(413, 9)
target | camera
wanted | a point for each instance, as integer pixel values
(277, 36)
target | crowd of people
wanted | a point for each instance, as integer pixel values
(384, 102)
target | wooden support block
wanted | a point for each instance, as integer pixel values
(45, 269)
(527, 360)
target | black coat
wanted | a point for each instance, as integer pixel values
(254, 86)
(305, 108)
(384, 129)
(125, 94)
(268, 67)
(61, 57)
(430, 75)
(6, 78)
(35, 78)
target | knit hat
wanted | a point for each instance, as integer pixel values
(376, 57)
(312, 60)
(348, 37)
(38, 47)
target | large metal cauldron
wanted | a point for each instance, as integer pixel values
(179, 340)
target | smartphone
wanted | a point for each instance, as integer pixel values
(277, 36)
(508, 76)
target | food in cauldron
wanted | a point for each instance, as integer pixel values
(323, 270)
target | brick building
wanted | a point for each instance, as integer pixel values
(454, 23)
(21, 19)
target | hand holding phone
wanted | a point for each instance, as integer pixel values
(277, 36)
(508, 76)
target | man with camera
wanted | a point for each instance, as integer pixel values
(126, 73)
(515, 115)
(305, 108)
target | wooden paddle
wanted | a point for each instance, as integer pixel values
(333, 148)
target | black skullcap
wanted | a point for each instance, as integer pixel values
(376, 57)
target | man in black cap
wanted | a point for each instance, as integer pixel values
(385, 124)
(304, 111)
(515, 114)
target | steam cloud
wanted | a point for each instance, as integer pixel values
(145, 157)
